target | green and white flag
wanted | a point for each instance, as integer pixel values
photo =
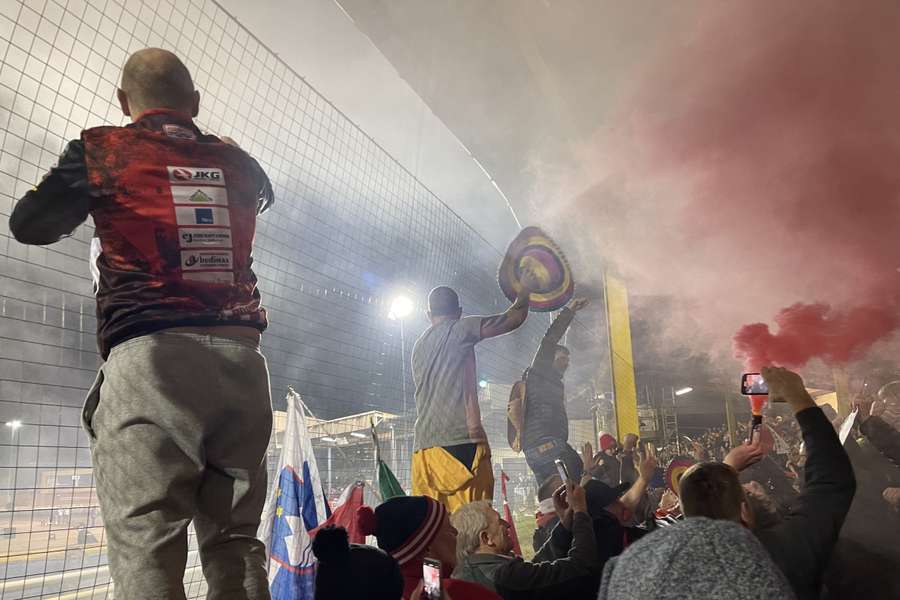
(385, 482)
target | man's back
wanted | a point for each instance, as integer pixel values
(175, 215)
(180, 415)
(443, 364)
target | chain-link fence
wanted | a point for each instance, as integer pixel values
(350, 231)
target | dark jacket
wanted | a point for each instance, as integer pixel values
(628, 472)
(802, 542)
(864, 561)
(772, 477)
(884, 437)
(545, 393)
(612, 538)
(517, 579)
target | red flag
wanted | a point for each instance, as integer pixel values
(507, 515)
(344, 514)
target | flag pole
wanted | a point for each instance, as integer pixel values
(375, 488)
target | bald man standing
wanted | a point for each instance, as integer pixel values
(180, 415)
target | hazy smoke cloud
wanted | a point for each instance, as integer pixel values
(755, 166)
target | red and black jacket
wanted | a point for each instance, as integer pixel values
(175, 216)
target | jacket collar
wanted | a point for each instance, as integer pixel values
(487, 559)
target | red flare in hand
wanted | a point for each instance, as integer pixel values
(757, 402)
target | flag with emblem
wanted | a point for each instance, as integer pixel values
(296, 505)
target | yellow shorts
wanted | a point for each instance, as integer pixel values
(437, 473)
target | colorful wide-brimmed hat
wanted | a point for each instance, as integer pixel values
(676, 469)
(533, 249)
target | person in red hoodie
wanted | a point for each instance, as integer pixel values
(411, 529)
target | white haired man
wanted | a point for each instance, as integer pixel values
(484, 552)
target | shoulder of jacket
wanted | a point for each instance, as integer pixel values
(101, 129)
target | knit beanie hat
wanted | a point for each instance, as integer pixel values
(697, 558)
(404, 526)
(607, 441)
(349, 570)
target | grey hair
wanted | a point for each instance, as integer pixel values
(469, 520)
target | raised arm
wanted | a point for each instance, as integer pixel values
(516, 314)
(547, 349)
(507, 321)
(59, 204)
(636, 492)
(818, 514)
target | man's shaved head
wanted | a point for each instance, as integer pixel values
(156, 78)
(443, 301)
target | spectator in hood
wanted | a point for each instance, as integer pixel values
(411, 528)
(802, 542)
(699, 558)
(485, 552)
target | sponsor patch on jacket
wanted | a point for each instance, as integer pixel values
(189, 194)
(204, 237)
(223, 277)
(178, 132)
(211, 215)
(195, 175)
(204, 260)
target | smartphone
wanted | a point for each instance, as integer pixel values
(562, 470)
(753, 384)
(431, 575)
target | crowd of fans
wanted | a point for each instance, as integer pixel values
(772, 517)
(766, 518)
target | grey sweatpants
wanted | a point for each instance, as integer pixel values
(179, 425)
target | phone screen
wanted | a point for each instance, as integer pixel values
(562, 470)
(753, 384)
(431, 574)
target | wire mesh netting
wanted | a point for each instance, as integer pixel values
(351, 230)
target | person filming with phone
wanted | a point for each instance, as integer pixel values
(801, 544)
(485, 554)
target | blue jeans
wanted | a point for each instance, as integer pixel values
(541, 459)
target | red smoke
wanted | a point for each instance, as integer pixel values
(780, 123)
(814, 330)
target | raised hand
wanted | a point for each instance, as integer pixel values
(563, 509)
(744, 455)
(787, 386)
(576, 497)
(587, 456)
(578, 303)
(647, 466)
(529, 280)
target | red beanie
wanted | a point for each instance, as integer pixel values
(404, 526)
(607, 441)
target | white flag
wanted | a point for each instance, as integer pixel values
(295, 506)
